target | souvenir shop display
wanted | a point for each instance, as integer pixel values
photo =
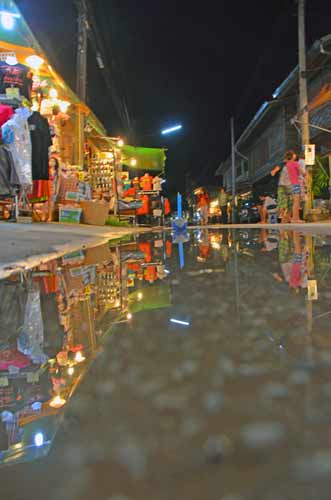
(102, 175)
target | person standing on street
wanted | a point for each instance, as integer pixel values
(294, 171)
(203, 205)
(223, 204)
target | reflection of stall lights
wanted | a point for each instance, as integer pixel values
(133, 162)
(79, 358)
(215, 245)
(39, 439)
(64, 105)
(53, 93)
(8, 19)
(34, 62)
(120, 143)
(179, 322)
(57, 402)
(71, 371)
(140, 296)
(129, 316)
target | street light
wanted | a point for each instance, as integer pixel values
(175, 128)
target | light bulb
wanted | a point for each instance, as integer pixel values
(39, 439)
(53, 93)
(79, 358)
(133, 162)
(120, 143)
(140, 296)
(71, 371)
(129, 316)
(34, 62)
(64, 105)
(7, 20)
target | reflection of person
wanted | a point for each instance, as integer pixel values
(203, 205)
(292, 259)
(223, 204)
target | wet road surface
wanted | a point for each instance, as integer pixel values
(157, 369)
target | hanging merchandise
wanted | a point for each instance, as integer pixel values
(41, 141)
(16, 135)
(146, 182)
(6, 112)
(16, 76)
(157, 183)
(9, 181)
(31, 338)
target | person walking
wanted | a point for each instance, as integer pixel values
(223, 204)
(203, 205)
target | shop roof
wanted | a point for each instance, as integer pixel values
(23, 42)
(147, 158)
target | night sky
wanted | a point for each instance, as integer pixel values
(177, 62)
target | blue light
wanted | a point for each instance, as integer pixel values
(172, 129)
(8, 19)
(179, 322)
(39, 439)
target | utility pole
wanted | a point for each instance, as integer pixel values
(81, 83)
(303, 95)
(233, 172)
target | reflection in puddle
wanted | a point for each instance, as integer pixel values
(213, 352)
(54, 320)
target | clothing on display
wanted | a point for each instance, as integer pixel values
(6, 112)
(157, 183)
(31, 338)
(41, 141)
(16, 76)
(9, 181)
(16, 135)
(146, 182)
(41, 191)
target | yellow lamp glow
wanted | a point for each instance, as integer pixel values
(133, 162)
(120, 143)
(129, 316)
(57, 402)
(34, 62)
(71, 371)
(140, 296)
(53, 93)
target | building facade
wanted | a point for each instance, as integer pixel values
(276, 127)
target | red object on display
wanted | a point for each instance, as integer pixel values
(144, 210)
(146, 248)
(146, 182)
(167, 207)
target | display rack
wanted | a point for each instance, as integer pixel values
(102, 175)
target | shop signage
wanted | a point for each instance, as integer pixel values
(310, 154)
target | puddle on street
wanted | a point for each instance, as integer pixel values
(147, 368)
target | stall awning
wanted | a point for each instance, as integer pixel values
(154, 297)
(146, 158)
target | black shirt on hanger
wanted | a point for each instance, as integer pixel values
(17, 76)
(40, 140)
